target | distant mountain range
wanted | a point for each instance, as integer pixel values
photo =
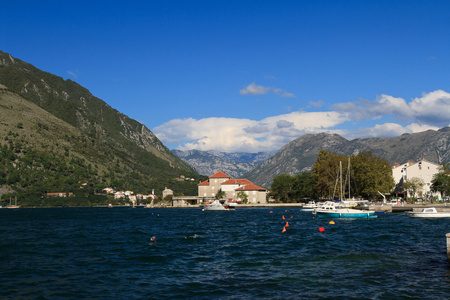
(300, 155)
(233, 164)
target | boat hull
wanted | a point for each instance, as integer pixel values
(429, 215)
(347, 215)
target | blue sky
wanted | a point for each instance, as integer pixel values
(247, 76)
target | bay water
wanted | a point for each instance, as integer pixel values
(102, 253)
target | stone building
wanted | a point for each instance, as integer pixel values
(208, 189)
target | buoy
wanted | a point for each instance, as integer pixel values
(153, 239)
(332, 222)
(321, 229)
(284, 229)
(292, 217)
(287, 224)
(270, 212)
(282, 217)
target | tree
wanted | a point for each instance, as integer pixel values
(414, 186)
(325, 172)
(441, 180)
(282, 187)
(243, 196)
(370, 174)
(220, 194)
(303, 186)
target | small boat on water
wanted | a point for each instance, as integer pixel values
(334, 209)
(12, 205)
(429, 212)
(216, 205)
(310, 206)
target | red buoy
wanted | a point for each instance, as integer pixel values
(321, 229)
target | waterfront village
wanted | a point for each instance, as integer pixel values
(243, 190)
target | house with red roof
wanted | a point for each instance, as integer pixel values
(208, 189)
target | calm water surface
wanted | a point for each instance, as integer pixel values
(99, 253)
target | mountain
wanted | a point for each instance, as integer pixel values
(300, 155)
(210, 162)
(42, 109)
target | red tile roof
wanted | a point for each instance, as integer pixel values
(250, 187)
(206, 182)
(237, 181)
(219, 175)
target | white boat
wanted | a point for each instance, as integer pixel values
(216, 205)
(334, 209)
(310, 206)
(429, 212)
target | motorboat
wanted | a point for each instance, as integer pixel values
(310, 206)
(334, 209)
(216, 205)
(429, 212)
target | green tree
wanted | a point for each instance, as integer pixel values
(414, 186)
(243, 196)
(220, 194)
(282, 187)
(370, 174)
(441, 181)
(325, 172)
(303, 187)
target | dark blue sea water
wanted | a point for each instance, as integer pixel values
(101, 253)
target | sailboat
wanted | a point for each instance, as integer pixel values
(12, 206)
(337, 209)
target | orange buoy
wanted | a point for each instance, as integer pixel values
(287, 224)
(331, 222)
(282, 217)
(270, 212)
(284, 229)
(292, 217)
(321, 229)
(153, 239)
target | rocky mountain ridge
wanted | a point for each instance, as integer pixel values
(300, 155)
(233, 164)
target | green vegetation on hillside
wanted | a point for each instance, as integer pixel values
(57, 137)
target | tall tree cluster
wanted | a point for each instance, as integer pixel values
(363, 176)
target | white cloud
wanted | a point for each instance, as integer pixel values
(283, 93)
(430, 111)
(232, 135)
(253, 89)
(73, 74)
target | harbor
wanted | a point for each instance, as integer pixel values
(76, 253)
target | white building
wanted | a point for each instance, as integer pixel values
(422, 169)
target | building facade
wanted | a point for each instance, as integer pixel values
(422, 169)
(208, 189)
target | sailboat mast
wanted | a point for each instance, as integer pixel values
(349, 197)
(340, 171)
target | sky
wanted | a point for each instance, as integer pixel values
(247, 76)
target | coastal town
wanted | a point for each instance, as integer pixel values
(244, 191)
